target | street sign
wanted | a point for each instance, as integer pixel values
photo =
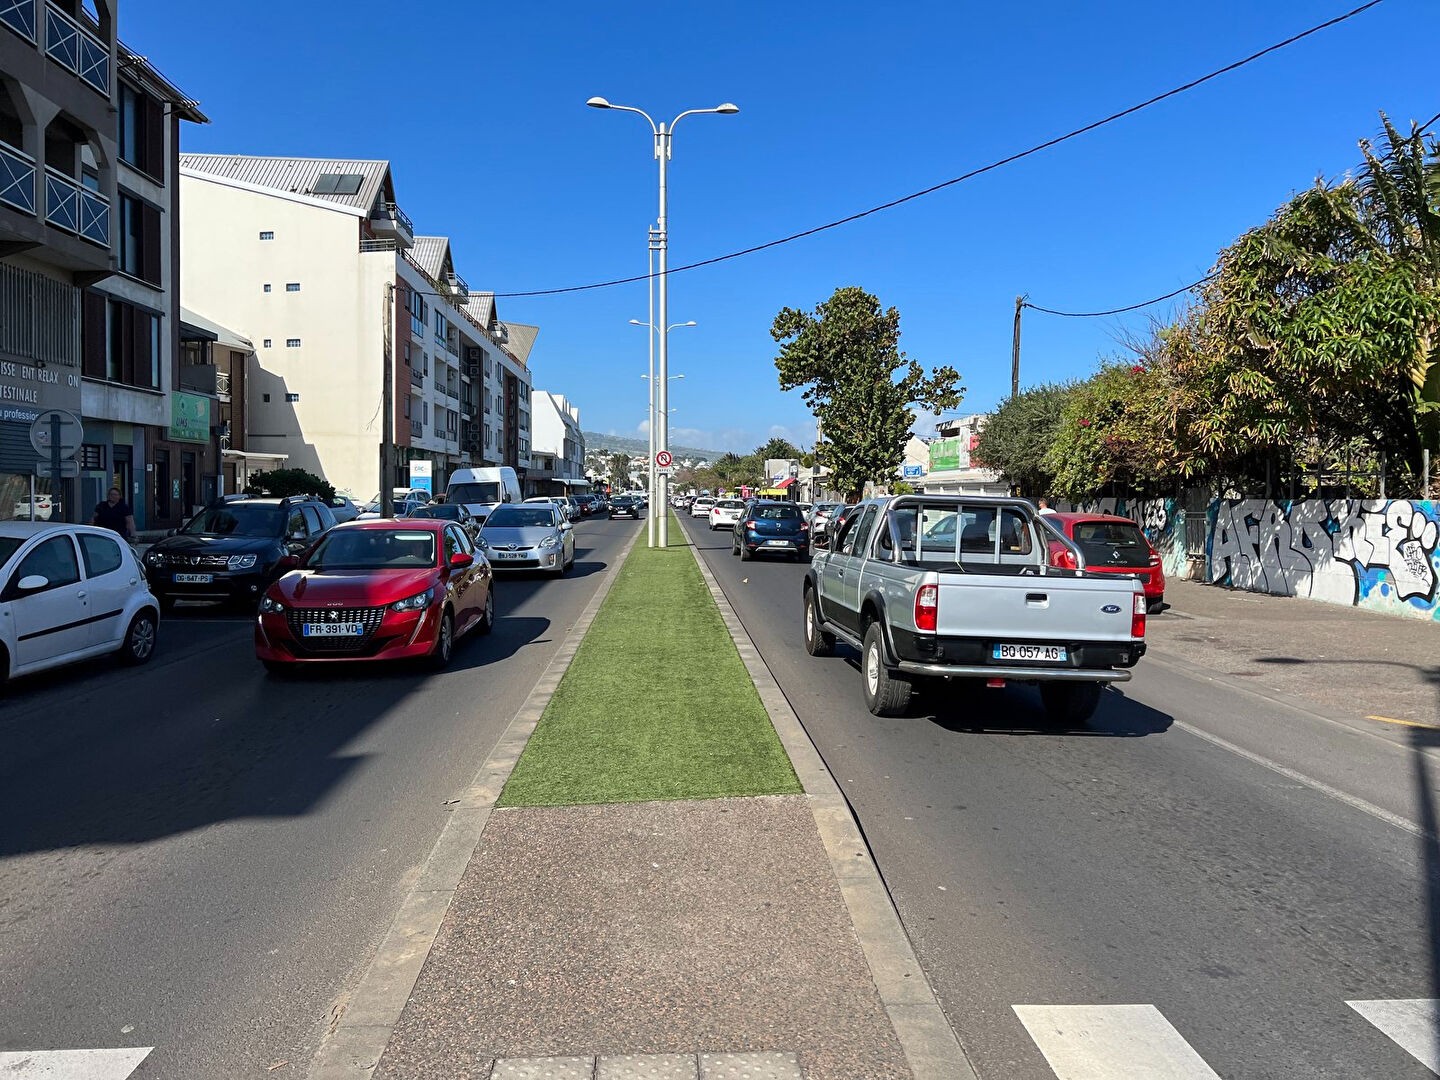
(664, 459)
(69, 469)
(665, 470)
(46, 434)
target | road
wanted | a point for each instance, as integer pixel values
(199, 858)
(1240, 867)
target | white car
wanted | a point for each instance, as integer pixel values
(71, 592)
(726, 514)
(44, 506)
(701, 506)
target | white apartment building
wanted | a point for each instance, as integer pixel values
(315, 261)
(557, 446)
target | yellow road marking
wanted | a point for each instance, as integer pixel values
(1404, 723)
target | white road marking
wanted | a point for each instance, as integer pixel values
(1412, 1023)
(1300, 778)
(114, 1064)
(1112, 1042)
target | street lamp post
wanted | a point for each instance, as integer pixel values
(661, 244)
(650, 419)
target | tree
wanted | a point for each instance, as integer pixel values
(777, 448)
(283, 482)
(1017, 437)
(1108, 433)
(618, 468)
(846, 355)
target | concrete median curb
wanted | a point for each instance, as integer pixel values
(356, 1040)
(931, 1047)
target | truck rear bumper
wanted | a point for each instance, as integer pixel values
(1018, 672)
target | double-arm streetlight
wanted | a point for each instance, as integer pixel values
(659, 243)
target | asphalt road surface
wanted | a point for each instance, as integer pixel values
(1200, 879)
(201, 859)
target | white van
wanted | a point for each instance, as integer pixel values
(482, 490)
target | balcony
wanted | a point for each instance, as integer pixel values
(20, 16)
(391, 223)
(76, 49)
(17, 177)
(417, 377)
(368, 245)
(222, 385)
(201, 378)
(417, 429)
(76, 209)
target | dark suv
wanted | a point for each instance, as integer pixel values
(229, 551)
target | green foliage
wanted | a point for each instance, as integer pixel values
(847, 356)
(283, 482)
(1107, 434)
(777, 448)
(618, 469)
(1017, 438)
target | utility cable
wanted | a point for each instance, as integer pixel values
(1118, 310)
(1037, 148)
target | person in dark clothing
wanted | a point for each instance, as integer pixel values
(115, 514)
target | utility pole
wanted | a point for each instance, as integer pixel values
(387, 408)
(1015, 349)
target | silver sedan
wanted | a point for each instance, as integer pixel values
(528, 536)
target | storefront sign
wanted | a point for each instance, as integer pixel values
(912, 472)
(947, 455)
(189, 418)
(422, 475)
(27, 390)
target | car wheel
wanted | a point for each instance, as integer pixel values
(1156, 606)
(886, 693)
(817, 641)
(735, 546)
(1070, 704)
(487, 619)
(140, 638)
(444, 642)
(746, 554)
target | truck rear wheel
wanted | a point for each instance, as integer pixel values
(817, 641)
(886, 693)
(1071, 704)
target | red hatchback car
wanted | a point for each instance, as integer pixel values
(377, 590)
(1111, 545)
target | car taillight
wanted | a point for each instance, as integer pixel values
(927, 602)
(1137, 620)
(1154, 557)
(749, 524)
(804, 527)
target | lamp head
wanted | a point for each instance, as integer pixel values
(692, 322)
(601, 103)
(637, 322)
(727, 107)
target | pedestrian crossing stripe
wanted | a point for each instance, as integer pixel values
(1111, 1042)
(112, 1064)
(1413, 1024)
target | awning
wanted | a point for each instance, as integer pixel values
(213, 331)
(786, 482)
(563, 480)
(254, 455)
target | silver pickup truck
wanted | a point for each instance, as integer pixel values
(961, 587)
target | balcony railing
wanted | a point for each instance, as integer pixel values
(17, 177)
(72, 46)
(367, 245)
(222, 384)
(417, 429)
(75, 208)
(417, 377)
(389, 218)
(20, 16)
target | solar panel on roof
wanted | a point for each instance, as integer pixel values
(337, 183)
(325, 183)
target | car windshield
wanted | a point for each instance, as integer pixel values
(448, 511)
(622, 500)
(731, 504)
(1112, 543)
(237, 519)
(373, 549)
(486, 492)
(521, 517)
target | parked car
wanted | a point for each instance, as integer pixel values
(70, 592)
(376, 590)
(625, 506)
(771, 528)
(483, 490)
(402, 501)
(455, 512)
(962, 587)
(519, 537)
(572, 502)
(701, 506)
(44, 506)
(725, 513)
(343, 508)
(1111, 545)
(820, 516)
(232, 551)
(588, 504)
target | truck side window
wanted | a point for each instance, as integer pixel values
(858, 537)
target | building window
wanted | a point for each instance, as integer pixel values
(119, 341)
(407, 406)
(292, 342)
(292, 286)
(139, 239)
(265, 398)
(266, 234)
(267, 286)
(266, 344)
(407, 354)
(92, 456)
(141, 131)
(292, 397)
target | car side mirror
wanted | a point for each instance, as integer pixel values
(460, 560)
(288, 563)
(31, 582)
(171, 532)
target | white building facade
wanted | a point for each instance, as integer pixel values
(950, 469)
(557, 446)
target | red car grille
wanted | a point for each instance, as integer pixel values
(369, 618)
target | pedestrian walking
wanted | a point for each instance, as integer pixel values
(116, 515)
(1044, 506)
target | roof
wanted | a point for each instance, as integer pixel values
(137, 69)
(521, 340)
(432, 252)
(215, 331)
(300, 175)
(482, 306)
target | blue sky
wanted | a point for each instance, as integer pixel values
(844, 105)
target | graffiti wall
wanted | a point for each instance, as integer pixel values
(1161, 519)
(1378, 554)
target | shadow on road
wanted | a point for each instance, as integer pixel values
(974, 709)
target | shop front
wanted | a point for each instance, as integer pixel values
(27, 390)
(184, 466)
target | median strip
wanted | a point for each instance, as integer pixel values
(656, 705)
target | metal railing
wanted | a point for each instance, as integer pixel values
(222, 383)
(75, 208)
(17, 177)
(394, 213)
(417, 377)
(20, 16)
(73, 47)
(417, 429)
(378, 245)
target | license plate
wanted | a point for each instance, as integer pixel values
(1050, 654)
(510, 555)
(333, 629)
(778, 543)
(194, 579)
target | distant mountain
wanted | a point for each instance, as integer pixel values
(594, 440)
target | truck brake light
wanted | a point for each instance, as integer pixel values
(926, 605)
(1137, 620)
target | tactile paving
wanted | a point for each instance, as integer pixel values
(544, 1068)
(768, 1065)
(647, 1067)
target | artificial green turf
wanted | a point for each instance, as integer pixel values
(656, 704)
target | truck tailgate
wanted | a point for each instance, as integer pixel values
(1023, 608)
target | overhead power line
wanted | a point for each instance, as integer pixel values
(1118, 310)
(1012, 158)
